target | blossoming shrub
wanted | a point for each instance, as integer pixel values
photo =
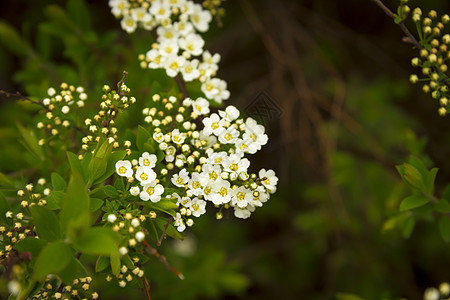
(108, 194)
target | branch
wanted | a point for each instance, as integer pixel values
(22, 97)
(162, 259)
(163, 236)
(410, 38)
(121, 82)
(147, 288)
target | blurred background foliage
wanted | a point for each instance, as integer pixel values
(338, 72)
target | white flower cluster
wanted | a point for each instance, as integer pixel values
(178, 48)
(57, 105)
(206, 165)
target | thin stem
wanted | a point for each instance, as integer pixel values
(147, 288)
(121, 82)
(22, 97)
(162, 259)
(163, 236)
(409, 37)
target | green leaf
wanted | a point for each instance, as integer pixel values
(111, 191)
(79, 11)
(413, 201)
(51, 260)
(429, 180)
(442, 206)
(98, 241)
(30, 244)
(59, 184)
(115, 265)
(171, 230)
(46, 222)
(97, 167)
(75, 164)
(412, 176)
(30, 142)
(165, 205)
(111, 165)
(11, 39)
(102, 263)
(4, 207)
(95, 204)
(347, 296)
(444, 228)
(6, 182)
(55, 200)
(142, 137)
(75, 213)
(408, 226)
(75, 269)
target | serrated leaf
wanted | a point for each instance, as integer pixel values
(30, 244)
(46, 222)
(444, 228)
(58, 183)
(413, 201)
(51, 260)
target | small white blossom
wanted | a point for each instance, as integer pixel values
(124, 168)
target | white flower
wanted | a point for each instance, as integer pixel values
(128, 24)
(255, 133)
(178, 222)
(118, 7)
(140, 236)
(160, 10)
(145, 175)
(65, 109)
(168, 47)
(181, 178)
(243, 213)
(156, 59)
(198, 207)
(183, 28)
(124, 168)
(223, 194)
(217, 157)
(236, 164)
(215, 89)
(173, 64)
(135, 190)
(200, 106)
(112, 218)
(241, 197)
(190, 70)
(229, 135)
(196, 182)
(200, 18)
(152, 192)
(147, 160)
(167, 33)
(178, 137)
(431, 294)
(140, 14)
(213, 124)
(268, 179)
(192, 43)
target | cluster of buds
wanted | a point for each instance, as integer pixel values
(442, 292)
(102, 125)
(79, 289)
(433, 56)
(57, 121)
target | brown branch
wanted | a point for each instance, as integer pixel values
(121, 82)
(22, 97)
(181, 85)
(162, 259)
(410, 37)
(163, 236)
(147, 288)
